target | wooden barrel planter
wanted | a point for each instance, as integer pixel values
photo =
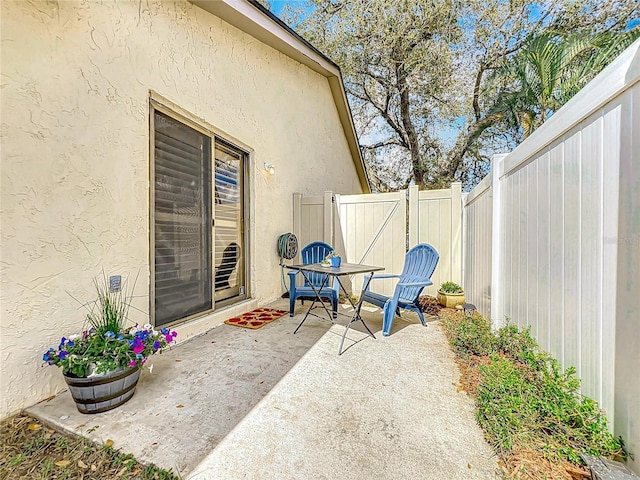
(103, 392)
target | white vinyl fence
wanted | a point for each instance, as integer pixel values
(378, 229)
(552, 241)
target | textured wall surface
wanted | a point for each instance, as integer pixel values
(76, 83)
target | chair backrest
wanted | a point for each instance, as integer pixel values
(419, 264)
(313, 253)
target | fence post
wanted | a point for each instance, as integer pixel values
(297, 221)
(495, 292)
(328, 218)
(414, 215)
(456, 232)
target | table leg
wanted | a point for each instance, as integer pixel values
(317, 298)
(356, 311)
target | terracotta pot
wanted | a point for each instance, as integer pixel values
(450, 300)
(103, 392)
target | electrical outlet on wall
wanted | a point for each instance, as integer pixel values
(115, 283)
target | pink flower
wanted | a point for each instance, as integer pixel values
(138, 348)
(133, 363)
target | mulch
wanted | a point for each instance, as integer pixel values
(430, 305)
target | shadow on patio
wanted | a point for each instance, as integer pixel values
(240, 403)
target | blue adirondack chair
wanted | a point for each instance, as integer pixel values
(419, 265)
(313, 253)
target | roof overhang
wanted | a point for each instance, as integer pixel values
(255, 20)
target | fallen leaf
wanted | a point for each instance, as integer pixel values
(109, 443)
(121, 472)
(469, 466)
(80, 426)
(62, 463)
(93, 468)
(180, 406)
(178, 360)
(81, 464)
(34, 427)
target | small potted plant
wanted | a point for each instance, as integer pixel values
(335, 259)
(450, 295)
(102, 364)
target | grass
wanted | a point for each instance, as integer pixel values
(32, 450)
(529, 409)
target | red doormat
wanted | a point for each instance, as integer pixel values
(256, 318)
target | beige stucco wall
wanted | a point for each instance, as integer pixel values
(76, 83)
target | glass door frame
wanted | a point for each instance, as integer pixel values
(156, 105)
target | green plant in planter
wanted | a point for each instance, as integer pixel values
(451, 287)
(107, 343)
(450, 295)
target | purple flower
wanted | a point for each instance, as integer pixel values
(164, 331)
(70, 343)
(45, 357)
(168, 338)
(156, 345)
(63, 354)
(62, 340)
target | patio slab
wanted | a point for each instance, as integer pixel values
(267, 404)
(386, 409)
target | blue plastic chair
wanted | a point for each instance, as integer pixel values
(313, 253)
(419, 265)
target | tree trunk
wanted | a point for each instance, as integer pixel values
(411, 137)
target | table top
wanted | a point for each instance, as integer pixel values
(343, 269)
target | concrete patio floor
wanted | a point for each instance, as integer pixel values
(267, 404)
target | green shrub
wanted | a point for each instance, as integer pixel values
(516, 344)
(471, 336)
(523, 397)
(537, 406)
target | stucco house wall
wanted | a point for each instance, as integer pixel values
(77, 78)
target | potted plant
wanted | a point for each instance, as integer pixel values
(332, 259)
(450, 295)
(102, 364)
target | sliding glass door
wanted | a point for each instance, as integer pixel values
(198, 241)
